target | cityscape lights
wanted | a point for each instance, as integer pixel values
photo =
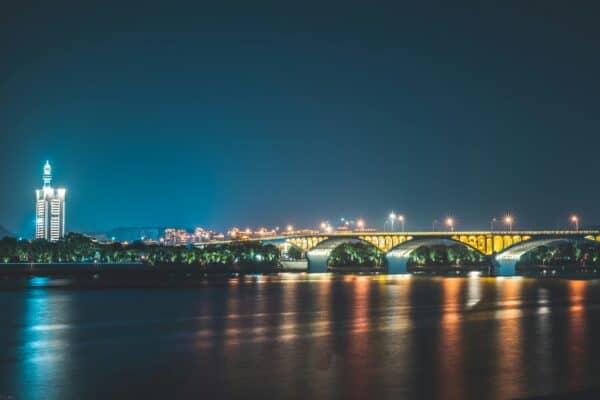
(326, 227)
(181, 236)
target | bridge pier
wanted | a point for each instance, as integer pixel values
(505, 267)
(296, 265)
(397, 265)
(317, 260)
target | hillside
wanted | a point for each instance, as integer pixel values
(4, 232)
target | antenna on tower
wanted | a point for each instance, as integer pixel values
(47, 178)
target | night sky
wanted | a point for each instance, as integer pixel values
(268, 113)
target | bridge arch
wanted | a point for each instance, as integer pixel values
(398, 257)
(318, 256)
(505, 263)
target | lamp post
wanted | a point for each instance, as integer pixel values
(450, 223)
(401, 219)
(392, 219)
(508, 220)
(360, 224)
(492, 224)
(435, 221)
(575, 221)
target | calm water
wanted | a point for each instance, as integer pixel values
(295, 336)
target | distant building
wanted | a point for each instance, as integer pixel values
(177, 237)
(201, 235)
(132, 234)
(101, 237)
(49, 209)
(5, 233)
(238, 234)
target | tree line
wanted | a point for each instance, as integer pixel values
(78, 248)
(356, 255)
(443, 255)
(582, 254)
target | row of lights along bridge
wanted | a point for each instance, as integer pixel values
(394, 220)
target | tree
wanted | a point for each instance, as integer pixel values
(8, 249)
(356, 254)
(295, 253)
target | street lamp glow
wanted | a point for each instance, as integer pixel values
(508, 220)
(401, 219)
(575, 220)
(492, 224)
(360, 224)
(326, 226)
(290, 228)
(392, 219)
(450, 223)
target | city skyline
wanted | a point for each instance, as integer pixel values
(47, 196)
(449, 222)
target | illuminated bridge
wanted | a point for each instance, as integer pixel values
(502, 247)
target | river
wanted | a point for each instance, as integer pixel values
(304, 336)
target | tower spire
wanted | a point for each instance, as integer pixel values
(47, 177)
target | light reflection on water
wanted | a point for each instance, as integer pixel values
(450, 340)
(509, 339)
(43, 355)
(304, 336)
(577, 336)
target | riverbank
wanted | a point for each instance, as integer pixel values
(22, 275)
(124, 274)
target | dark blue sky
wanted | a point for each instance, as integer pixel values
(214, 115)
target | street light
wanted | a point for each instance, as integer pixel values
(492, 224)
(435, 221)
(401, 219)
(360, 224)
(575, 220)
(450, 223)
(392, 219)
(290, 228)
(508, 220)
(326, 226)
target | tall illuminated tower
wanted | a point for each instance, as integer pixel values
(49, 209)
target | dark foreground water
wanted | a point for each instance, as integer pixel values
(300, 336)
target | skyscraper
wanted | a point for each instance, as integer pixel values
(49, 209)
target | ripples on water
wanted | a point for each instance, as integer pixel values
(303, 336)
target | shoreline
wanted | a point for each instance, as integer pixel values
(19, 276)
